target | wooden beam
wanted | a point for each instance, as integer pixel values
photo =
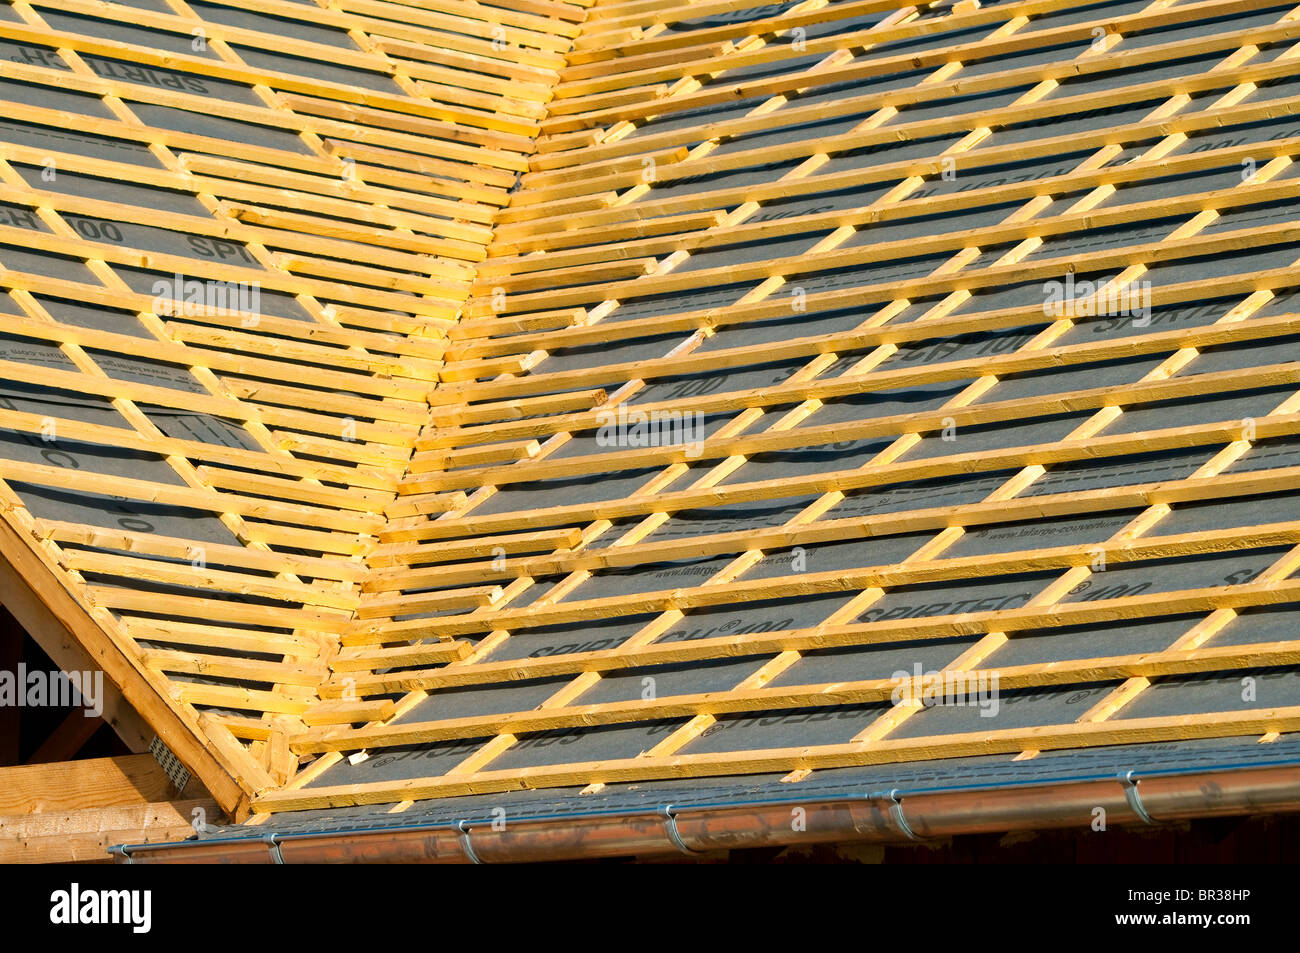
(83, 785)
(85, 836)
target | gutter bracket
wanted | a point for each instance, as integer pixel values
(896, 812)
(274, 846)
(1134, 799)
(124, 852)
(674, 835)
(465, 845)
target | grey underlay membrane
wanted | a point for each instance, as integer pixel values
(51, 448)
(1024, 708)
(1173, 695)
(907, 778)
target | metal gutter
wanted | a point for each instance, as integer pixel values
(889, 817)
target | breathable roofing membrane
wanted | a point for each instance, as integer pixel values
(424, 407)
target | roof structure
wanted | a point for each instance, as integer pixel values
(425, 411)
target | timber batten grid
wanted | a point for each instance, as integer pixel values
(442, 405)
